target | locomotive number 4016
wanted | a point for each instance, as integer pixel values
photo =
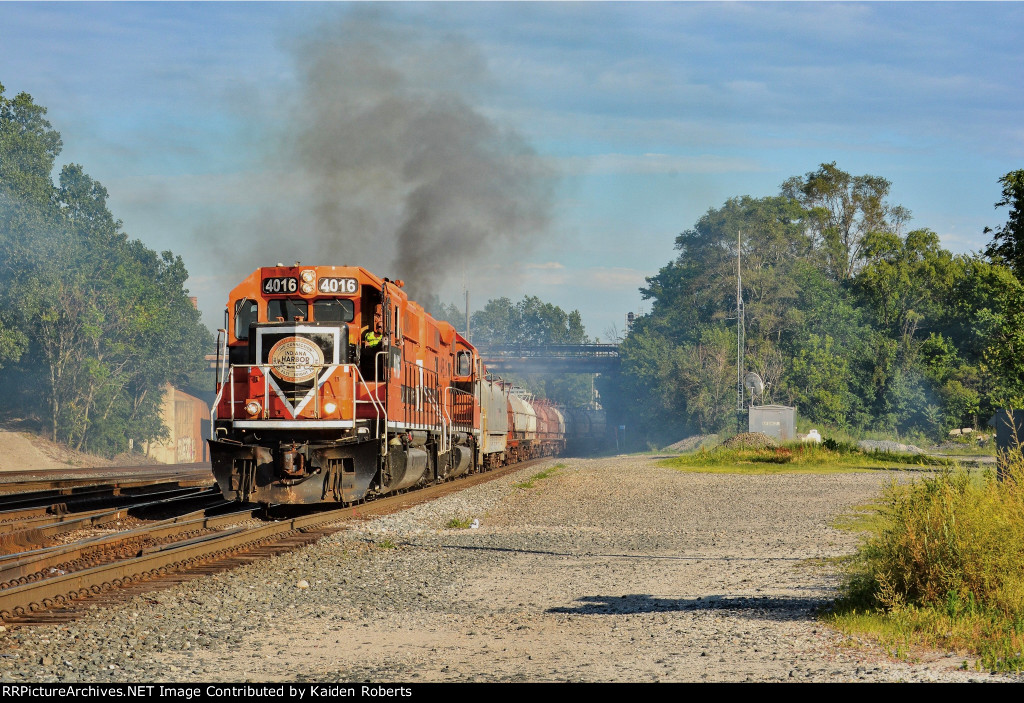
(338, 285)
(280, 285)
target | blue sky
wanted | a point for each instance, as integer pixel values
(644, 115)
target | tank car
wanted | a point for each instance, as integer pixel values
(333, 386)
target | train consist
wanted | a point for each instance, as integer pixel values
(333, 386)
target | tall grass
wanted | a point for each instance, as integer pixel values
(946, 567)
(795, 458)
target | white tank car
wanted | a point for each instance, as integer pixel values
(493, 423)
(524, 419)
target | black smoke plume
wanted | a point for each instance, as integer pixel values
(399, 165)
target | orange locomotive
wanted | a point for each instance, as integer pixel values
(333, 386)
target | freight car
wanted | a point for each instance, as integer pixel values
(332, 387)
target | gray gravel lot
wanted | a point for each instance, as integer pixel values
(609, 570)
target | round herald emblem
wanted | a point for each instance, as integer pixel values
(295, 359)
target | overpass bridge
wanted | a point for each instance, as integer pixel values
(550, 358)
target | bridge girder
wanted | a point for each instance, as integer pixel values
(552, 359)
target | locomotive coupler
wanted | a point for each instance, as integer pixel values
(292, 462)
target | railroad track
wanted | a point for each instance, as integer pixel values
(65, 481)
(57, 582)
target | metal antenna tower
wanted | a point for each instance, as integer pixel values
(740, 327)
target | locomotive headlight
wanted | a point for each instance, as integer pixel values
(329, 408)
(253, 408)
(306, 288)
(307, 276)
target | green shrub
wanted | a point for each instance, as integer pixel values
(950, 539)
(835, 445)
(947, 564)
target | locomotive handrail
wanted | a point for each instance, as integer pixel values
(374, 400)
(221, 334)
(351, 369)
(447, 436)
(446, 440)
(376, 380)
(448, 396)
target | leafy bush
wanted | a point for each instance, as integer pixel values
(840, 446)
(949, 558)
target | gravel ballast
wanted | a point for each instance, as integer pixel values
(608, 570)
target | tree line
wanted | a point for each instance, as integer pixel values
(530, 321)
(852, 317)
(92, 323)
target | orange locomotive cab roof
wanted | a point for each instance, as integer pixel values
(251, 285)
(309, 282)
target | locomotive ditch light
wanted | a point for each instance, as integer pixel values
(253, 408)
(330, 407)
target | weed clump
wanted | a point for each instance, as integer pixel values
(528, 483)
(946, 565)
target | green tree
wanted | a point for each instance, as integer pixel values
(534, 322)
(646, 391)
(531, 321)
(707, 379)
(699, 287)
(449, 312)
(104, 320)
(819, 383)
(986, 321)
(1007, 245)
(842, 211)
(847, 318)
(906, 281)
(28, 149)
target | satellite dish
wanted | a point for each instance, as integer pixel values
(753, 384)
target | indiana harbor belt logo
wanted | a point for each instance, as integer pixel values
(295, 359)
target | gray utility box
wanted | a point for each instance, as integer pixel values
(778, 421)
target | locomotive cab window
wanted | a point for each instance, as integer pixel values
(245, 316)
(287, 309)
(334, 310)
(464, 364)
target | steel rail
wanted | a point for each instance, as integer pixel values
(20, 604)
(96, 492)
(73, 518)
(19, 600)
(38, 561)
(33, 535)
(62, 486)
